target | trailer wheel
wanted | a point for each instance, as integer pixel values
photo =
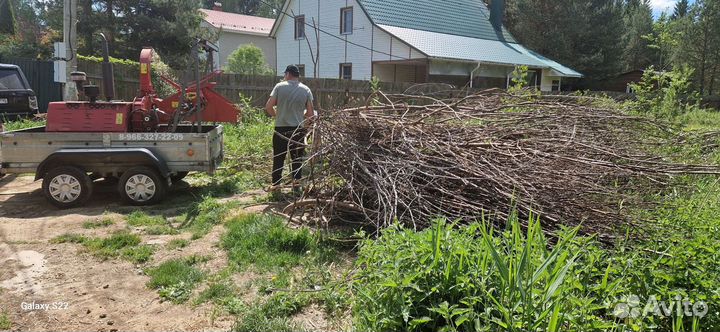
(67, 186)
(142, 186)
(178, 177)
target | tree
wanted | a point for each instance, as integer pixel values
(249, 60)
(583, 34)
(7, 18)
(681, 9)
(699, 46)
(638, 23)
(168, 26)
(264, 8)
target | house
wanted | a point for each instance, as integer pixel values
(235, 30)
(453, 41)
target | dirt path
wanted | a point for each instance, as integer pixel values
(84, 292)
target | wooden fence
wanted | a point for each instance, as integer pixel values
(328, 93)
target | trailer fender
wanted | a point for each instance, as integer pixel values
(93, 158)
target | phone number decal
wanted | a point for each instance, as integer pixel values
(151, 137)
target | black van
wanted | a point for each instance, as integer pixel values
(17, 99)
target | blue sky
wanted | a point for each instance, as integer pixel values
(660, 6)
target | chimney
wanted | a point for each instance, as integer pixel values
(217, 6)
(497, 11)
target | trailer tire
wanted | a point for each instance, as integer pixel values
(178, 177)
(67, 187)
(142, 186)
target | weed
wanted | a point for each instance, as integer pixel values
(5, 322)
(161, 230)
(69, 238)
(121, 244)
(265, 242)
(138, 255)
(177, 243)
(139, 218)
(21, 124)
(99, 223)
(204, 215)
(175, 279)
(255, 320)
(216, 293)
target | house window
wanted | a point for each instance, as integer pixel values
(346, 20)
(346, 71)
(302, 70)
(555, 85)
(300, 27)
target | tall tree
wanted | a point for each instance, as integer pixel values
(264, 8)
(7, 18)
(583, 34)
(681, 9)
(700, 46)
(638, 24)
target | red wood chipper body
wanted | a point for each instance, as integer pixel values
(148, 112)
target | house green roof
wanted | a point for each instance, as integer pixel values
(467, 18)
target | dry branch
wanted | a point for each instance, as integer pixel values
(415, 158)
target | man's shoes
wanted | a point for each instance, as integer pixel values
(273, 188)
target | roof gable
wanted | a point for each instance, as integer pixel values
(467, 18)
(238, 22)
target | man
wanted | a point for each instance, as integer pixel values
(294, 102)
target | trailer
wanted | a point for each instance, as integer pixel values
(144, 163)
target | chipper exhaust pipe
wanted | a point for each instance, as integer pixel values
(107, 71)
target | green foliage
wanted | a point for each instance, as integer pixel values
(139, 218)
(249, 60)
(177, 244)
(204, 215)
(121, 244)
(22, 124)
(266, 243)
(217, 293)
(263, 8)
(99, 223)
(7, 18)
(175, 279)
(5, 322)
(664, 94)
(638, 23)
(464, 279)
(582, 34)
(519, 79)
(159, 69)
(256, 320)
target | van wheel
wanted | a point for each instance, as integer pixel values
(142, 186)
(67, 186)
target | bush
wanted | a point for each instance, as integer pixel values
(249, 60)
(665, 94)
(451, 278)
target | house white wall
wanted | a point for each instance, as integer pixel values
(334, 51)
(229, 41)
(546, 83)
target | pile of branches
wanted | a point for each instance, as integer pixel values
(414, 159)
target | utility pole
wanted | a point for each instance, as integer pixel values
(70, 40)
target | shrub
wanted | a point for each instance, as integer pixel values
(249, 60)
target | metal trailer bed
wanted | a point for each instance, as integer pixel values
(144, 163)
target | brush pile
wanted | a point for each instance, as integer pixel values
(415, 158)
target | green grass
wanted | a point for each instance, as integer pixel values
(121, 244)
(217, 293)
(5, 322)
(266, 243)
(204, 215)
(139, 218)
(99, 223)
(273, 314)
(175, 279)
(161, 230)
(177, 244)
